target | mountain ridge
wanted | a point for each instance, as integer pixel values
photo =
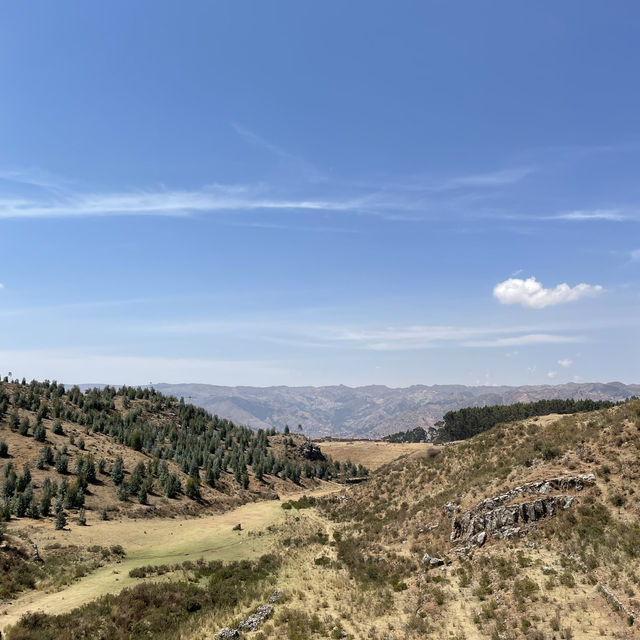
(372, 411)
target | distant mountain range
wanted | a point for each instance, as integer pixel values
(371, 411)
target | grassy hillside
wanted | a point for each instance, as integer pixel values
(136, 452)
(560, 579)
(526, 531)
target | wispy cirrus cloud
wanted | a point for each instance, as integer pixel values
(34, 177)
(526, 339)
(401, 338)
(497, 178)
(612, 215)
(214, 198)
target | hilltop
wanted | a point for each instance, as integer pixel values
(376, 410)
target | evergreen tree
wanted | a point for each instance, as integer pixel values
(61, 520)
(192, 489)
(117, 471)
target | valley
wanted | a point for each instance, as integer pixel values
(527, 530)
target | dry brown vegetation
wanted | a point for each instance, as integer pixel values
(353, 565)
(544, 585)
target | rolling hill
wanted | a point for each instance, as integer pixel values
(372, 411)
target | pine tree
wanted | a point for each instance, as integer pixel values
(61, 520)
(191, 489)
(117, 472)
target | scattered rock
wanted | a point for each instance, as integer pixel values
(615, 602)
(432, 562)
(253, 622)
(237, 527)
(451, 508)
(275, 596)
(228, 634)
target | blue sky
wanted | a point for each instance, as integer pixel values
(320, 193)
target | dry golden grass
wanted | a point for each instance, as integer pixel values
(535, 588)
(160, 541)
(373, 454)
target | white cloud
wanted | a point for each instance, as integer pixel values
(552, 374)
(1, 285)
(530, 293)
(167, 203)
(491, 179)
(528, 339)
(403, 338)
(593, 214)
(565, 363)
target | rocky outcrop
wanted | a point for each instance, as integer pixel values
(541, 487)
(497, 518)
(430, 561)
(237, 527)
(310, 451)
(507, 521)
(253, 622)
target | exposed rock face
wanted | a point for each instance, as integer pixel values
(502, 522)
(497, 518)
(543, 487)
(253, 622)
(228, 634)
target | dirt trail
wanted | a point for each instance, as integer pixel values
(155, 542)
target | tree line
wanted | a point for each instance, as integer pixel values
(410, 435)
(466, 423)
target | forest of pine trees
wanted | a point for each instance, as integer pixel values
(161, 427)
(465, 423)
(411, 435)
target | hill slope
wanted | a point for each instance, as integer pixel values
(139, 453)
(372, 411)
(529, 530)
